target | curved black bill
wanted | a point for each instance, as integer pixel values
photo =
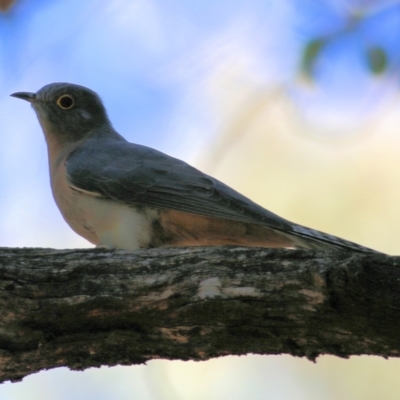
(25, 96)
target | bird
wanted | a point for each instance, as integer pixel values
(121, 195)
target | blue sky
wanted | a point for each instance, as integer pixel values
(174, 75)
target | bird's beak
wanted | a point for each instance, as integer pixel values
(31, 97)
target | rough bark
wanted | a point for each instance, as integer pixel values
(85, 308)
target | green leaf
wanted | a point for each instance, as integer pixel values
(310, 53)
(377, 60)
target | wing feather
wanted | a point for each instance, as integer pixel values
(138, 175)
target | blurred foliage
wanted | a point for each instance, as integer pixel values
(310, 54)
(5, 4)
(377, 60)
(375, 55)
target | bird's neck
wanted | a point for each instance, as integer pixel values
(58, 152)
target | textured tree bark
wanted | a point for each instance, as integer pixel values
(85, 308)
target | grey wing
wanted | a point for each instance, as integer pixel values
(138, 175)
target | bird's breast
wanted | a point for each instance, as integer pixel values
(101, 221)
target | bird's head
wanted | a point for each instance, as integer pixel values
(67, 112)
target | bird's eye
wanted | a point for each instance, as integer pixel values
(65, 102)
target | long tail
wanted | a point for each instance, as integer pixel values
(313, 239)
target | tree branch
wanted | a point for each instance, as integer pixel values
(85, 308)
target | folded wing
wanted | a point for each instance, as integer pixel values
(141, 176)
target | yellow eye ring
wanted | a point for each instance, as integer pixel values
(65, 101)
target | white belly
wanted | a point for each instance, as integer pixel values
(103, 222)
(117, 225)
(106, 222)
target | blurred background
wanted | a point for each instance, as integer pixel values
(294, 103)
